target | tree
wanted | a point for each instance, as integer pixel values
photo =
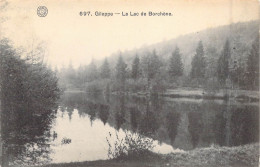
(105, 70)
(176, 65)
(70, 74)
(237, 73)
(25, 85)
(253, 65)
(81, 75)
(151, 66)
(223, 64)
(211, 59)
(198, 63)
(136, 71)
(121, 72)
(92, 71)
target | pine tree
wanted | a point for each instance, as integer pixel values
(121, 72)
(253, 65)
(136, 68)
(92, 71)
(151, 66)
(70, 74)
(176, 65)
(154, 65)
(105, 69)
(81, 75)
(223, 64)
(237, 73)
(198, 63)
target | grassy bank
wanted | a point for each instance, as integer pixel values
(240, 156)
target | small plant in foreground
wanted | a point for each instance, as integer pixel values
(132, 146)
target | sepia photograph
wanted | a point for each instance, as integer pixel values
(128, 83)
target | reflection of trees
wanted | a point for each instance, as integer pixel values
(188, 125)
(244, 126)
(92, 112)
(195, 127)
(70, 111)
(26, 136)
(134, 115)
(172, 122)
(219, 128)
(104, 113)
(149, 123)
(120, 113)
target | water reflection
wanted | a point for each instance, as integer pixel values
(183, 124)
(172, 123)
(26, 135)
(78, 130)
(88, 139)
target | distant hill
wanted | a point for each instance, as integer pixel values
(240, 35)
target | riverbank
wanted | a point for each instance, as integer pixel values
(197, 93)
(240, 156)
(243, 96)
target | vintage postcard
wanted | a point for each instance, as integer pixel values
(131, 83)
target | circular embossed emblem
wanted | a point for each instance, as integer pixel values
(42, 11)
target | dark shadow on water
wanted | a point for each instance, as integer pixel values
(182, 124)
(208, 122)
(26, 134)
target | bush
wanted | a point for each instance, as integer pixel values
(158, 86)
(136, 85)
(133, 146)
(97, 86)
(211, 86)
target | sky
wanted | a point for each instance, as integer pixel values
(71, 37)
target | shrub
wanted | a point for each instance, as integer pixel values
(133, 146)
(211, 86)
(97, 86)
(136, 85)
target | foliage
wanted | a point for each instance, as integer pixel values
(29, 92)
(136, 85)
(211, 86)
(160, 64)
(253, 65)
(25, 82)
(97, 86)
(223, 64)
(176, 65)
(237, 74)
(198, 63)
(92, 72)
(136, 71)
(132, 146)
(121, 72)
(151, 65)
(105, 70)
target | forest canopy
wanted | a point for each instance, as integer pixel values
(213, 59)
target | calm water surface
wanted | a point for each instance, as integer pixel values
(77, 131)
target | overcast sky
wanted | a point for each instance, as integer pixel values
(77, 38)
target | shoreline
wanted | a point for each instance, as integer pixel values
(238, 156)
(243, 96)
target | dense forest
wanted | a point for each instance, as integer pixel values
(26, 81)
(213, 59)
(29, 92)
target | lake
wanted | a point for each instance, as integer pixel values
(80, 126)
